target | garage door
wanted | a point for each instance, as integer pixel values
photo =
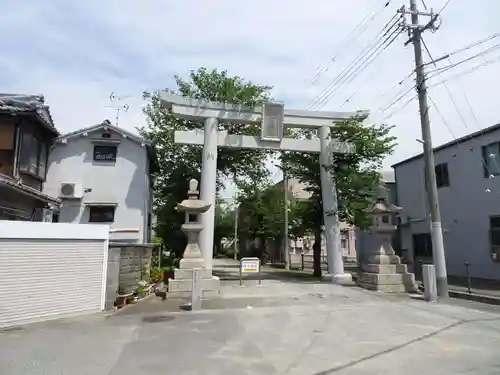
(48, 278)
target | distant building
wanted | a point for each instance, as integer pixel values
(26, 134)
(468, 180)
(102, 174)
(304, 245)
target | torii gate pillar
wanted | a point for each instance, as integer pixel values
(208, 188)
(272, 122)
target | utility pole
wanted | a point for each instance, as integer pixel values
(415, 30)
(236, 216)
(285, 190)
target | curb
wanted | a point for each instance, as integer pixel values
(475, 297)
(490, 300)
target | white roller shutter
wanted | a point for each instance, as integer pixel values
(43, 279)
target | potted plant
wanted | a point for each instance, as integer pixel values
(121, 298)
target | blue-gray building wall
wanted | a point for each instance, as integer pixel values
(466, 205)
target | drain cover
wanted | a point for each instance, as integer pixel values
(157, 318)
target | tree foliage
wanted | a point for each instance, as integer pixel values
(179, 163)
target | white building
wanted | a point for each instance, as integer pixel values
(468, 179)
(102, 174)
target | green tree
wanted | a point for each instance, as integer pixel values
(356, 176)
(262, 207)
(179, 163)
(224, 225)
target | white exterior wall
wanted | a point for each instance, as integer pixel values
(465, 206)
(51, 270)
(125, 183)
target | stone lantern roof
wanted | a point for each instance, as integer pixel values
(382, 204)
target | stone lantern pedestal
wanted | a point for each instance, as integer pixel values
(182, 283)
(382, 270)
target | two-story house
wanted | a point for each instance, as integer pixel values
(468, 180)
(102, 174)
(26, 133)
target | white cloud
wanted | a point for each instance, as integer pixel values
(76, 53)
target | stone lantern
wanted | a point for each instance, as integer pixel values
(181, 284)
(382, 270)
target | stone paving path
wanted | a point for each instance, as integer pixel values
(281, 327)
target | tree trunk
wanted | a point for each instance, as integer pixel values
(217, 246)
(317, 253)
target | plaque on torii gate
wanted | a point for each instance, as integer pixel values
(273, 118)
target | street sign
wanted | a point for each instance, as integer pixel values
(250, 265)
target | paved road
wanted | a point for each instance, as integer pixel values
(278, 328)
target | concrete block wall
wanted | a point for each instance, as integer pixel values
(135, 261)
(127, 265)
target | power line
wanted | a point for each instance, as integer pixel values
(357, 60)
(401, 108)
(464, 73)
(349, 78)
(462, 118)
(448, 67)
(475, 44)
(444, 7)
(349, 42)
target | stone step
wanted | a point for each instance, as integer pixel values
(180, 273)
(384, 259)
(186, 285)
(384, 268)
(386, 278)
(390, 288)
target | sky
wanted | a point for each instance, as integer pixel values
(76, 53)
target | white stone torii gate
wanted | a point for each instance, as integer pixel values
(211, 138)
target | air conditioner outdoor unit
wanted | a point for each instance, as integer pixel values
(71, 190)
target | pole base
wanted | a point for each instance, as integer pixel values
(339, 278)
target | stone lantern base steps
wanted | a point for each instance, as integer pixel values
(385, 273)
(181, 285)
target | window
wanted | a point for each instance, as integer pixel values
(491, 159)
(495, 238)
(102, 214)
(442, 178)
(422, 245)
(33, 156)
(105, 153)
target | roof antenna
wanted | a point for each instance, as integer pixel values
(118, 105)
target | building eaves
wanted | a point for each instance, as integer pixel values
(460, 140)
(106, 125)
(27, 190)
(16, 104)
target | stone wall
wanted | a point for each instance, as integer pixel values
(127, 265)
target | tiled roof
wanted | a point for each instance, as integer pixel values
(18, 103)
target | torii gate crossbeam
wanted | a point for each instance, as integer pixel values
(211, 138)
